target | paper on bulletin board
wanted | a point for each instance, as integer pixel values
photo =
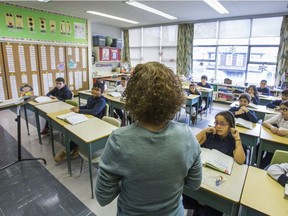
(50, 80)
(80, 79)
(76, 74)
(84, 76)
(10, 57)
(2, 95)
(52, 58)
(35, 84)
(22, 60)
(13, 85)
(71, 81)
(45, 83)
(77, 57)
(32, 58)
(24, 78)
(69, 51)
(61, 54)
(84, 59)
(43, 58)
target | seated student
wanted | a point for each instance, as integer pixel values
(263, 89)
(226, 139)
(204, 84)
(279, 172)
(278, 124)
(95, 106)
(62, 93)
(252, 91)
(242, 111)
(121, 88)
(193, 90)
(276, 103)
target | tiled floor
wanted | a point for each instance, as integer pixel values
(78, 185)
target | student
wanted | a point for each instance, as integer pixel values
(96, 105)
(278, 124)
(62, 93)
(193, 90)
(204, 84)
(242, 111)
(148, 162)
(263, 89)
(252, 91)
(226, 139)
(121, 88)
(279, 172)
(276, 103)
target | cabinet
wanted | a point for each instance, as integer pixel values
(107, 54)
(229, 93)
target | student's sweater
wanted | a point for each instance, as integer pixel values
(278, 120)
(61, 94)
(255, 100)
(264, 91)
(95, 106)
(249, 116)
(274, 104)
(279, 172)
(207, 85)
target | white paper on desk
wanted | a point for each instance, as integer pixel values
(73, 118)
(115, 94)
(42, 99)
(243, 123)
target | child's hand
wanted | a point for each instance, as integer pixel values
(277, 108)
(245, 109)
(211, 130)
(252, 95)
(282, 132)
(235, 133)
(75, 109)
(52, 97)
(274, 129)
(240, 111)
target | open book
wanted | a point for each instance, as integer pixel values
(42, 99)
(73, 118)
(115, 94)
(243, 123)
(217, 160)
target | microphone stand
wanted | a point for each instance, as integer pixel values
(18, 120)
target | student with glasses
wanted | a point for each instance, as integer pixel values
(278, 124)
(226, 139)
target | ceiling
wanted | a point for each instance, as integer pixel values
(185, 11)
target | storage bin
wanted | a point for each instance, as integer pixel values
(98, 40)
(116, 43)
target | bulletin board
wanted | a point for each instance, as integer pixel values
(3, 89)
(77, 69)
(20, 23)
(52, 65)
(21, 66)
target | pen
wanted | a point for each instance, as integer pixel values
(219, 180)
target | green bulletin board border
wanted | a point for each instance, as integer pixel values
(28, 24)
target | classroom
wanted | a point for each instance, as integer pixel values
(65, 101)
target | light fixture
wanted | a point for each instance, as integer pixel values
(111, 16)
(150, 9)
(46, 1)
(217, 6)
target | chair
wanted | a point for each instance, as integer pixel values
(71, 102)
(279, 156)
(97, 154)
(72, 95)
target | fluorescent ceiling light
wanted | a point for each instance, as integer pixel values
(149, 9)
(216, 5)
(112, 17)
(44, 1)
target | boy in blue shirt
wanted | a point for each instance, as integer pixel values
(263, 89)
(276, 103)
(204, 84)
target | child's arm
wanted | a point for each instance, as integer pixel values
(282, 132)
(279, 172)
(274, 104)
(201, 136)
(269, 123)
(252, 116)
(238, 153)
(255, 100)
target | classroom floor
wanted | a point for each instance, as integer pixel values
(31, 188)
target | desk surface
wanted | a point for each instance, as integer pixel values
(255, 131)
(268, 98)
(231, 188)
(9, 102)
(263, 193)
(91, 130)
(34, 103)
(266, 134)
(54, 107)
(115, 99)
(191, 96)
(260, 108)
(86, 92)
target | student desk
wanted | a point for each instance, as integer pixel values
(190, 101)
(44, 109)
(262, 194)
(114, 102)
(208, 93)
(270, 142)
(259, 110)
(85, 94)
(225, 197)
(264, 99)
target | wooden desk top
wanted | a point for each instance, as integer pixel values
(34, 103)
(9, 102)
(231, 188)
(269, 98)
(191, 96)
(266, 134)
(54, 107)
(263, 193)
(115, 99)
(255, 131)
(260, 108)
(91, 130)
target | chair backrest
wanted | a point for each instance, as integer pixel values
(280, 156)
(107, 110)
(71, 102)
(112, 121)
(72, 95)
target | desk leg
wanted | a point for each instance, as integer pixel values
(26, 118)
(90, 170)
(79, 99)
(38, 125)
(68, 152)
(51, 137)
(259, 157)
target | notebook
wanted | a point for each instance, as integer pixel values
(115, 94)
(73, 118)
(42, 99)
(217, 160)
(243, 123)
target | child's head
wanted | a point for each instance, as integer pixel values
(223, 122)
(60, 82)
(284, 95)
(97, 89)
(252, 90)
(192, 87)
(123, 81)
(284, 109)
(26, 88)
(98, 85)
(204, 79)
(263, 83)
(244, 99)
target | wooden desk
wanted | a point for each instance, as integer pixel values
(263, 194)
(260, 111)
(270, 142)
(85, 94)
(225, 197)
(190, 101)
(44, 109)
(263, 99)
(114, 102)
(90, 136)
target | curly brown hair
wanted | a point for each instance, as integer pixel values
(154, 94)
